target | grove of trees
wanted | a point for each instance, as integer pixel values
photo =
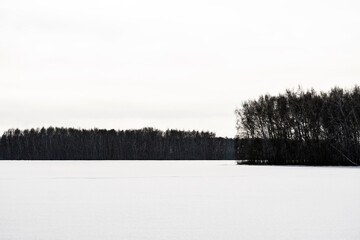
(296, 127)
(300, 127)
(97, 144)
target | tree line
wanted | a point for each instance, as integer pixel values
(300, 127)
(98, 144)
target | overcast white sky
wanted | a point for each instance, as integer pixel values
(166, 64)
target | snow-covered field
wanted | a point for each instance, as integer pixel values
(202, 200)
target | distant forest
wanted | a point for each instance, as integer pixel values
(300, 127)
(98, 144)
(294, 128)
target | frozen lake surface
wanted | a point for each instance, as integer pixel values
(202, 200)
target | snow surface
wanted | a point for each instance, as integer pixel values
(202, 200)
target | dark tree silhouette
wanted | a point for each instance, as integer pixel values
(146, 143)
(302, 127)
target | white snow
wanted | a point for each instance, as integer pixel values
(154, 200)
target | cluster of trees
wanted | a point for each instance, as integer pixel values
(300, 127)
(296, 127)
(146, 143)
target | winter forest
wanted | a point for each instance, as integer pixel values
(296, 127)
(300, 127)
(99, 144)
